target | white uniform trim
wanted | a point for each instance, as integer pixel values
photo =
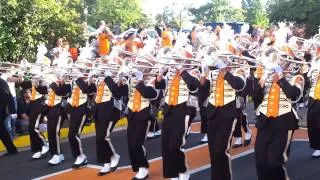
(57, 135)
(107, 138)
(285, 153)
(229, 144)
(36, 126)
(186, 123)
(79, 132)
(147, 130)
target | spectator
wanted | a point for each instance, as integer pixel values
(10, 121)
(104, 45)
(23, 111)
(6, 109)
(166, 37)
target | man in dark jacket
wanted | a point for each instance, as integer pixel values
(7, 107)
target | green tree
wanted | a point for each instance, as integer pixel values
(302, 12)
(255, 13)
(169, 17)
(124, 12)
(26, 23)
(217, 10)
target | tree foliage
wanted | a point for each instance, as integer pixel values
(302, 12)
(170, 17)
(124, 12)
(255, 13)
(26, 23)
(217, 10)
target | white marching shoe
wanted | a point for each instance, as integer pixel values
(105, 170)
(237, 142)
(37, 155)
(174, 178)
(316, 154)
(204, 139)
(157, 133)
(247, 138)
(56, 159)
(45, 149)
(42, 153)
(80, 161)
(114, 162)
(143, 173)
(184, 176)
(150, 135)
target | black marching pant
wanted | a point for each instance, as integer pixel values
(137, 133)
(220, 133)
(104, 124)
(241, 121)
(5, 137)
(271, 153)
(313, 124)
(204, 120)
(35, 118)
(174, 130)
(56, 117)
(154, 126)
(77, 119)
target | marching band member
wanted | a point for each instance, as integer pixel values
(139, 122)
(39, 89)
(221, 115)
(180, 107)
(242, 121)
(278, 91)
(110, 97)
(57, 103)
(241, 97)
(203, 95)
(155, 105)
(313, 117)
(82, 94)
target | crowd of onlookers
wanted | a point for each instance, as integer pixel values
(18, 124)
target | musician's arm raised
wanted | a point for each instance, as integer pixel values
(192, 82)
(146, 91)
(235, 82)
(293, 92)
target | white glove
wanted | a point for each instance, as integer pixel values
(221, 65)
(13, 116)
(162, 69)
(271, 66)
(35, 82)
(79, 75)
(139, 75)
(179, 67)
(208, 61)
(204, 70)
(107, 73)
(278, 69)
(91, 75)
(43, 83)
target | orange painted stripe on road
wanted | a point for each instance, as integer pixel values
(196, 157)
